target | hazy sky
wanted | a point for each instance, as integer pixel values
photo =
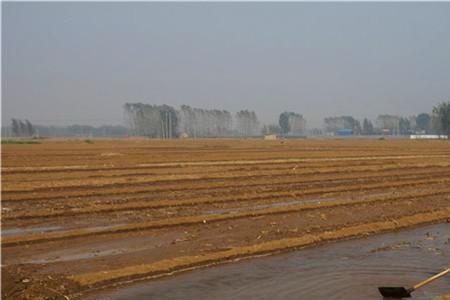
(66, 63)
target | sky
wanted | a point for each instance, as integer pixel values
(66, 63)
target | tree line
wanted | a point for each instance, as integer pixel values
(163, 121)
(157, 121)
(17, 129)
(436, 122)
(22, 128)
(197, 122)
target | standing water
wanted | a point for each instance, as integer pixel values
(347, 270)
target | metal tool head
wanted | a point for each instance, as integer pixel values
(395, 292)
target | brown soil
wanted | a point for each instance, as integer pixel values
(77, 217)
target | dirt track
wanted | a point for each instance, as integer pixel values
(78, 217)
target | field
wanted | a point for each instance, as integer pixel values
(81, 216)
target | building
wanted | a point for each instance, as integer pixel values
(344, 132)
(270, 137)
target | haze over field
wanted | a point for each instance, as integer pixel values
(66, 63)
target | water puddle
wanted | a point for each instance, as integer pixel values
(253, 207)
(24, 231)
(87, 252)
(350, 270)
(78, 256)
(104, 227)
(45, 229)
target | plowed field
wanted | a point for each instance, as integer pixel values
(78, 217)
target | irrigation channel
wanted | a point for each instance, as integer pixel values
(351, 269)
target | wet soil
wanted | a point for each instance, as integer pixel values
(78, 217)
(350, 270)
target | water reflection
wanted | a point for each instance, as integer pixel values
(343, 270)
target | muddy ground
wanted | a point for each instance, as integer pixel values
(78, 217)
(341, 270)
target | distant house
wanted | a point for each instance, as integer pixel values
(270, 137)
(344, 132)
(428, 137)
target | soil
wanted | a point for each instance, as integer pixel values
(78, 217)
